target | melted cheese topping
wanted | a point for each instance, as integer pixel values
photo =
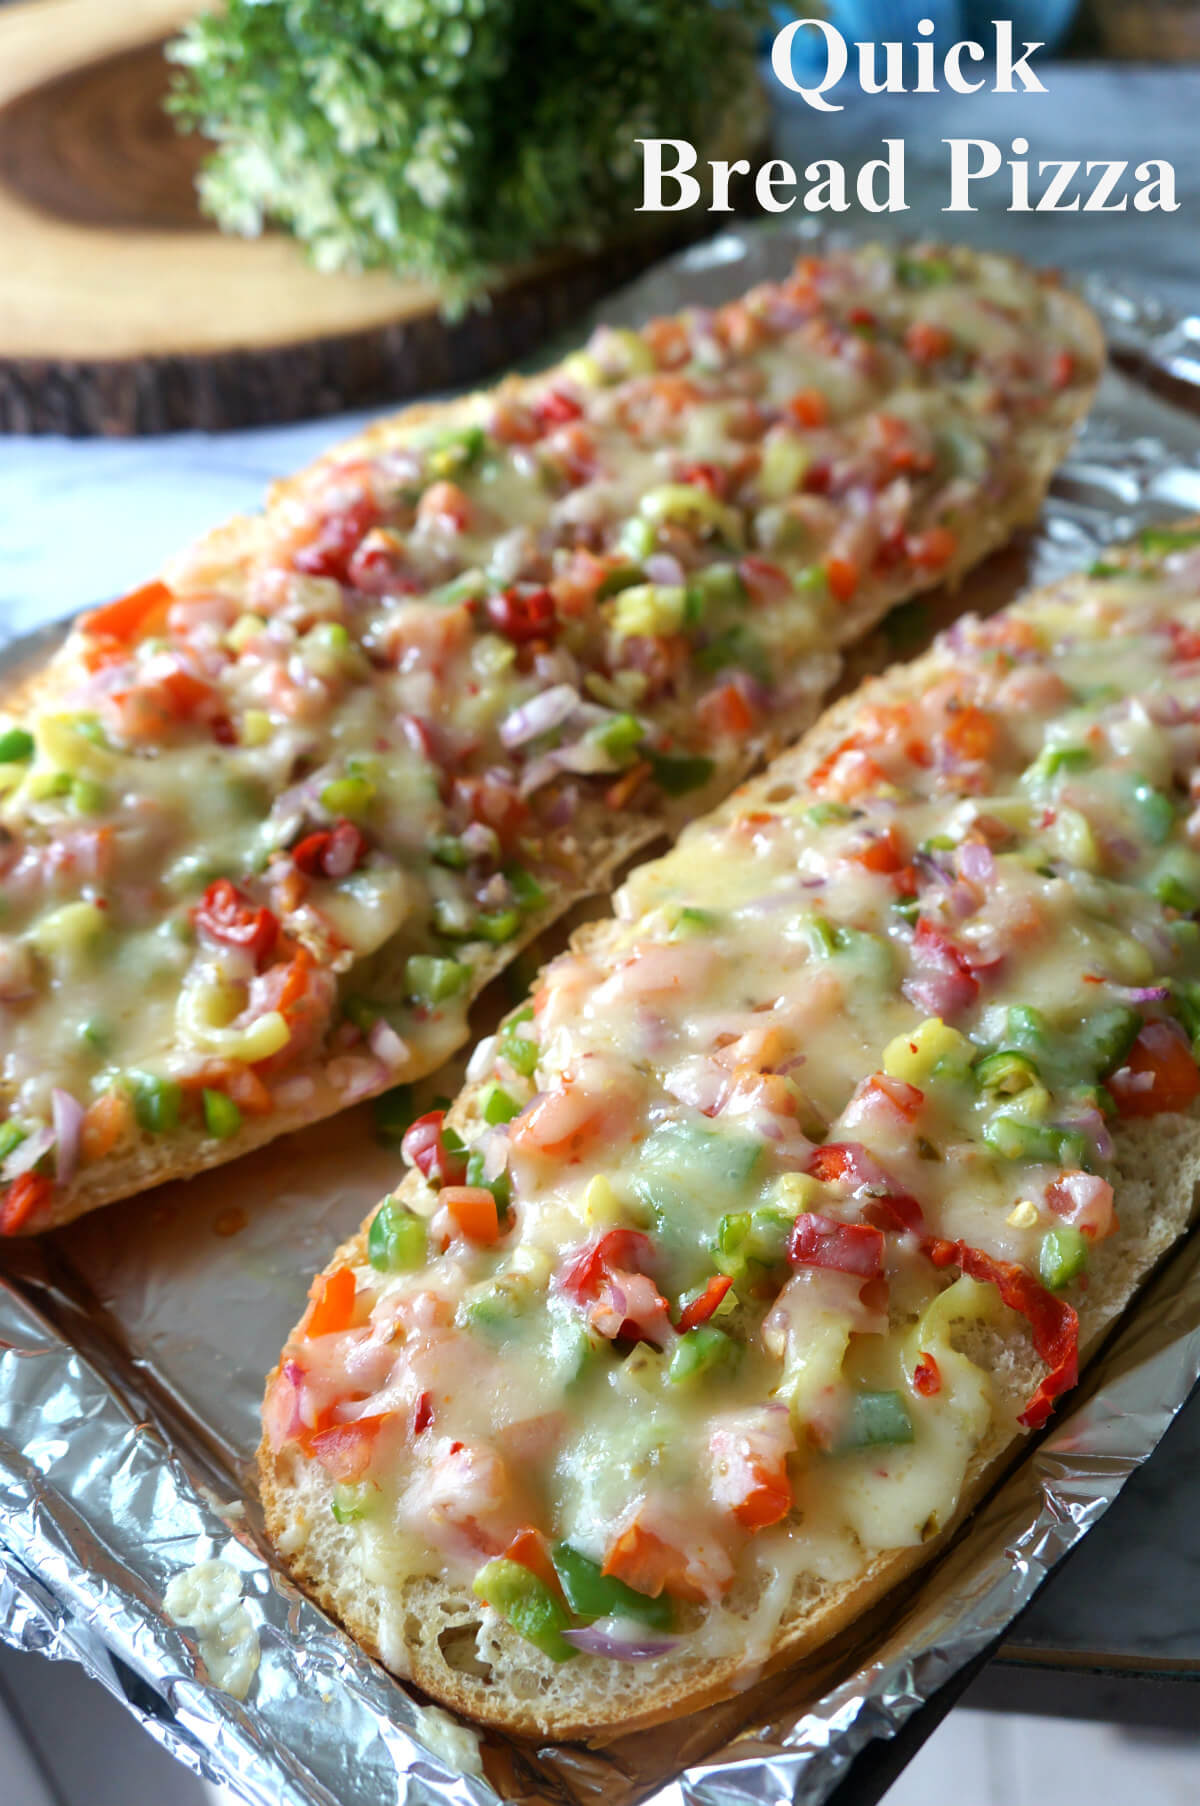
(770, 1173)
(283, 809)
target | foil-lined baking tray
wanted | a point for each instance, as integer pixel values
(133, 1345)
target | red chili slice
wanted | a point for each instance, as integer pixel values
(26, 1195)
(819, 1241)
(927, 1376)
(331, 852)
(701, 1309)
(226, 915)
(1053, 1323)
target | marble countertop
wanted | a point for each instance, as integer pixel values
(83, 520)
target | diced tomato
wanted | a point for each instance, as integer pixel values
(105, 1122)
(530, 1550)
(247, 1090)
(841, 574)
(862, 316)
(932, 548)
(1062, 370)
(760, 1493)
(130, 617)
(1053, 1323)
(494, 802)
(942, 983)
(422, 1413)
(555, 408)
(927, 342)
(332, 1308)
(345, 1449)
(1159, 1073)
(820, 1241)
(28, 1193)
(971, 733)
(898, 1098)
(447, 504)
(190, 696)
(724, 713)
(523, 614)
(225, 915)
(766, 582)
(473, 1208)
(328, 552)
(331, 852)
(883, 853)
(701, 1309)
(712, 477)
(649, 1565)
(1185, 642)
(626, 1248)
(425, 1148)
(927, 1376)
(668, 339)
(808, 407)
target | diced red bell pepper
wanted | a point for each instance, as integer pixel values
(1159, 1073)
(522, 615)
(345, 1449)
(650, 1565)
(531, 1551)
(554, 408)
(424, 1147)
(725, 714)
(331, 852)
(24, 1197)
(701, 1309)
(1053, 1323)
(713, 477)
(768, 1494)
(834, 1162)
(766, 582)
(841, 574)
(808, 407)
(820, 1241)
(332, 1308)
(226, 915)
(627, 1249)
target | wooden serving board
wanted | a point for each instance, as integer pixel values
(122, 310)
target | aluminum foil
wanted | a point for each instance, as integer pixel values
(133, 1345)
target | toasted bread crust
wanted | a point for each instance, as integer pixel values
(1156, 1179)
(147, 1161)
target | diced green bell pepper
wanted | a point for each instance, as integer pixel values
(11, 1136)
(156, 1103)
(701, 1352)
(593, 1594)
(1055, 759)
(1155, 812)
(1017, 1138)
(1107, 1036)
(448, 850)
(822, 815)
(876, 1419)
(500, 1187)
(497, 925)
(222, 1118)
(529, 894)
(1006, 1072)
(619, 738)
(349, 1503)
(497, 1106)
(521, 1051)
(431, 979)
(1167, 539)
(1062, 1257)
(16, 745)
(690, 923)
(528, 1605)
(737, 646)
(396, 1240)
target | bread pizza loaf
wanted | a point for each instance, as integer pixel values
(271, 821)
(792, 1199)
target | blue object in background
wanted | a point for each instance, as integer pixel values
(866, 21)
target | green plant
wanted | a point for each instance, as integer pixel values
(448, 138)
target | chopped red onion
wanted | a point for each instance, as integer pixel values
(480, 1063)
(294, 1092)
(976, 861)
(662, 567)
(357, 1078)
(68, 1120)
(386, 1044)
(1142, 993)
(540, 715)
(620, 1641)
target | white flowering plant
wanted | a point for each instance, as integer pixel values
(449, 139)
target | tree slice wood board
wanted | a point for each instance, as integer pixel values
(123, 311)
